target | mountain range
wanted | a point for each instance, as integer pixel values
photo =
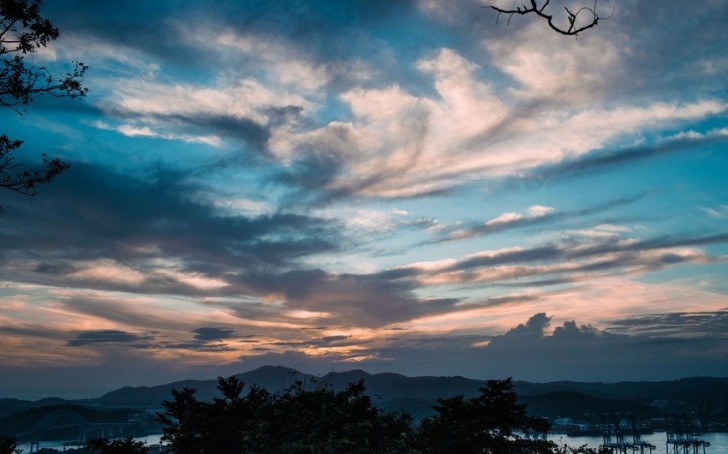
(415, 395)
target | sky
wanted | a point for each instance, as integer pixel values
(416, 186)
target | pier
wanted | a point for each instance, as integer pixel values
(682, 439)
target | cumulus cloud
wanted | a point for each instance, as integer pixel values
(529, 350)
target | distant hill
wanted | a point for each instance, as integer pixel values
(12, 406)
(272, 378)
(64, 421)
(417, 395)
(391, 392)
(388, 388)
(678, 396)
(569, 404)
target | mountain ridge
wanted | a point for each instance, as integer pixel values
(393, 391)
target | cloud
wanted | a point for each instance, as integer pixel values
(505, 221)
(234, 170)
(529, 350)
(409, 124)
(124, 224)
(105, 337)
(146, 131)
(578, 257)
(719, 212)
(207, 334)
(601, 160)
(366, 300)
(421, 145)
(675, 324)
(571, 71)
(534, 215)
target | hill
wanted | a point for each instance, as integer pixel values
(414, 395)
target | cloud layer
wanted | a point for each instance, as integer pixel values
(392, 184)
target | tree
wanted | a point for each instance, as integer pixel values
(22, 32)
(493, 422)
(579, 20)
(124, 446)
(321, 420)
(299, 420)
(8, 445)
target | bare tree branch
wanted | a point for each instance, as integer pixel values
(576, 25)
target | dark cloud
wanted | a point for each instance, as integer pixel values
(34, 331)
(107, 337)
(571, 352)
(535, 327)
(321, 29)
(535, 254)
(585, 353)
(358, 299)
(326, 30)
(119, 311)
(205, 340)
(207, 334)
(692, 324)
(605, 159)
(530, 352)
(327, 341)
(243, 130)
(97, 213)
(626, 253)
(526, 352)
(155, 33)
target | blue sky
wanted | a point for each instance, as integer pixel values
(395, 186)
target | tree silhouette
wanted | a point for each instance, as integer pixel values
(7, 445)
(22, 32)
(579, 20)
(492, 422)
(321, 420)
(299, 420)
(124, 446)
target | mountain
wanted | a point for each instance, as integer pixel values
(272, 378)
(391, 391)
(417, 395)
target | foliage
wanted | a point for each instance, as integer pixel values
(299, 420)
(321, 420)
(22, 32)
(123, 446)
(493, 422)
(7, 445)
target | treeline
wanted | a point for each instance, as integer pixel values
(317, 419)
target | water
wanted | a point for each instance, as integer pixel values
(149, 440)
(718, 441)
